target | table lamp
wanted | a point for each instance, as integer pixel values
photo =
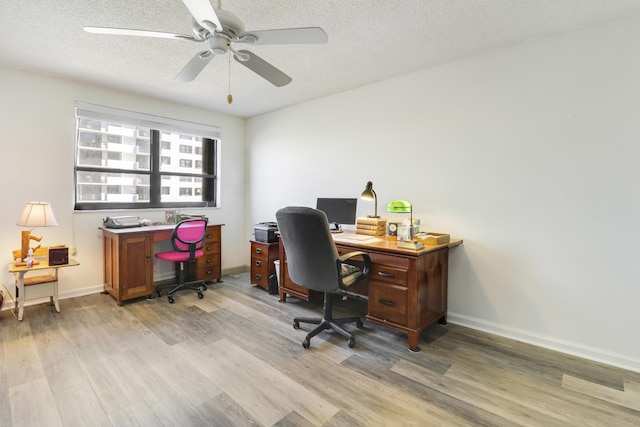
(369, 194)
(403, 206)
(35, 214)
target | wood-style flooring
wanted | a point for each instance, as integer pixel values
(234, 359)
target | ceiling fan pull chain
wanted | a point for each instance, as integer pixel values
(229, 97)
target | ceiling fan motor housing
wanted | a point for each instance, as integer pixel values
(231, 24)
(218, 45)
(219, 40)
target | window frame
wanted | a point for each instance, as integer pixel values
(210, 158)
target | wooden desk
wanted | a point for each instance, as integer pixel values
(35, 287)
(128, 259)
(406, 289)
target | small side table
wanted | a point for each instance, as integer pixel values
(28, 288)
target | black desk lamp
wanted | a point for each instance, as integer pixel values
(369, 194)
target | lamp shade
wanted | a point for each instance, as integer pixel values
(399, 206)
(369, 194)
(37, 214)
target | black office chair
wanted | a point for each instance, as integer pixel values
(188, 240)
(313, 262)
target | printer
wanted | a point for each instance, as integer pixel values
(266, 232)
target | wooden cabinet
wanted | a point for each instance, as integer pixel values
(406, 290)
(209, 266)
(128, 264)
(129, 253)
(263, 255)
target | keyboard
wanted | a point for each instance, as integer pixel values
(351, 237)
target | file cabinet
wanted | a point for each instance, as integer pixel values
(263, 255)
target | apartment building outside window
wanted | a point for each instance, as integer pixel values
(132, 160)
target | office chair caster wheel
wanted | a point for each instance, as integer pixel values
(204, 287)
(200, 295)
(359, 324)
(171, 300)
(158, 293)
(351, 342)
(306, 343)
(296, 324)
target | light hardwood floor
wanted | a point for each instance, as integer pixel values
(234, 359)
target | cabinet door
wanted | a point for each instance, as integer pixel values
(136, 266)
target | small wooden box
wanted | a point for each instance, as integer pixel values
(432, 239)
(58, 256)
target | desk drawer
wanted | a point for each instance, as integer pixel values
(388, 274)
(388, 303)
(210, 273)
(260, 270)
(211, 248)
(390, 260)
(214, 234)
(208, 260)
(260, 250)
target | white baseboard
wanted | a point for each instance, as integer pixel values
(551, 343)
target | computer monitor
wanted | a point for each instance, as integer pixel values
(338, 211)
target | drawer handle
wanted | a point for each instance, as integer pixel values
(258, 277)
(258, 250)
(387, 303)
(208, 248)
(209, 272)
(380, 273)
(209, 260)
(258, 263)
(209, 236)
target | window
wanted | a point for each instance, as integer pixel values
(128, 160)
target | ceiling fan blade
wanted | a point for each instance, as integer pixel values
(203, 12)
(142, 33)
(308, 35)
(194, 66)
(262, 68)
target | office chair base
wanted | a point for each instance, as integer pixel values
(199, 286)
(328, 322)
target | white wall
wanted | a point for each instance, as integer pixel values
(529, 154)
(37, 142)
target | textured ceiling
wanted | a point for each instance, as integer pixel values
(369, 41)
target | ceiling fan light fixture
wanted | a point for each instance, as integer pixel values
(218, 45)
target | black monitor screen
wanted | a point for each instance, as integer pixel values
(338, 211)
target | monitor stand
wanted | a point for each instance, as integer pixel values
(334, 227)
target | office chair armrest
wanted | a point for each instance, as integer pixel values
(351, 278)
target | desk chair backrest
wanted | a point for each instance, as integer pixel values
(188, 236)
(312, 257)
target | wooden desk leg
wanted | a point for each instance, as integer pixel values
(54, 297)
(413, 341)
(20, 297)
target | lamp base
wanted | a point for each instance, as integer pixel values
(411, 244)
(24, 247)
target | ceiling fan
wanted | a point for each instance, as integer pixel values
(221, 30)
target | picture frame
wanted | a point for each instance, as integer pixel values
(170, 217)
